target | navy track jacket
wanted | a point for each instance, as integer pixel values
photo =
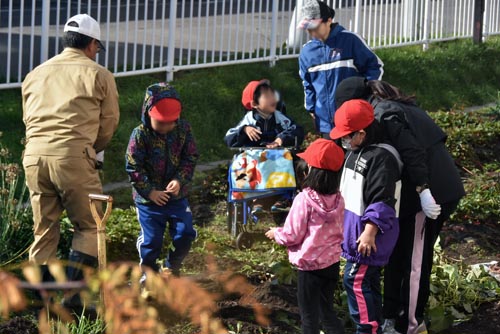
(323, 65)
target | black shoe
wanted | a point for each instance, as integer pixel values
(74, 272)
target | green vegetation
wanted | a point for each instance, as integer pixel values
(15, 218)
(449, 75)
(457, 290)
(474, 142)
(212, 104)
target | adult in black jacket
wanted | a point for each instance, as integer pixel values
(431, 190)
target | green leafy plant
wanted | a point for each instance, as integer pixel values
(457, 290)
(15, 220)
(84, 325)
(482, 202)
(474, 142)
(122, 230)
(473, 137)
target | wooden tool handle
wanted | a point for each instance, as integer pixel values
(101, 232)
(101, 198)
(93, 198)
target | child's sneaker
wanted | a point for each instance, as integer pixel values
(167, 273)
(145, 293)
(388, 327)
(281, 206)
(257, 209)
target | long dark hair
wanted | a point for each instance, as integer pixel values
(385, 91)
(323, 181)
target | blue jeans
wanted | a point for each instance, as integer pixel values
(362, 284)
(153, 220)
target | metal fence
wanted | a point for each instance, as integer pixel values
(168, 36)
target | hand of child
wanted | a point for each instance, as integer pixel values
(253, 133)
(159, 197)
(270, 233)
(173, 187)
(276, 143)
(366, 241)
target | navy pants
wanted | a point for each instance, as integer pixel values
(362, 284)
(315, 296)
(153, 220)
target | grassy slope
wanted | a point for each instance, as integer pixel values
(449, 75)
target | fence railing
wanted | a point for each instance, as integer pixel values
(167, 36)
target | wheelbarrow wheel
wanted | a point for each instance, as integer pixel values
(244, 240)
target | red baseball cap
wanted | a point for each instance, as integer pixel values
(249, 91)
(166, 110)
(324, 154)
(352, 116)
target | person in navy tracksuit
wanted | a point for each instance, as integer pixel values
(332, 55)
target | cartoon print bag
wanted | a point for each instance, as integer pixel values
(256, 172)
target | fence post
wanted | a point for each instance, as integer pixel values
(410, 19)
(44, 38)
(478, 21)
(171, 40)
(274, 32)
(486, 19)
(426, 22)
(357, 17)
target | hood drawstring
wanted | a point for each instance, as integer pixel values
(355, 164)
(357, 161)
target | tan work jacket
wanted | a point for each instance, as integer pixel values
(70, 106)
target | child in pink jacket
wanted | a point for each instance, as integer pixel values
(313, 233)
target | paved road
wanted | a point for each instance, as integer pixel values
(217, 34)
(136, 8)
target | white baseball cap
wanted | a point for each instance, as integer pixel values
(313, 13)
(86, 25)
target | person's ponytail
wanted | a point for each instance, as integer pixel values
(383, 90)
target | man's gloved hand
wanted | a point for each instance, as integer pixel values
(99, 157)
(429, 205)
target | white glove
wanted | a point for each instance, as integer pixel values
(429, 205)
(99, 157)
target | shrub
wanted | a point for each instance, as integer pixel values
(474, 142)
(131, 307)
(473, 137)
(15, 214)
(457, 290)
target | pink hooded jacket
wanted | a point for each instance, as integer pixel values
(313, 230)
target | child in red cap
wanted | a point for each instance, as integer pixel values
(370, 185)
(264, 126)
(160, 161)
(313, 235)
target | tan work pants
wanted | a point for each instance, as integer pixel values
(58, 183)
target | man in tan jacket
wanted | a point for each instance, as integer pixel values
(70, 109)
